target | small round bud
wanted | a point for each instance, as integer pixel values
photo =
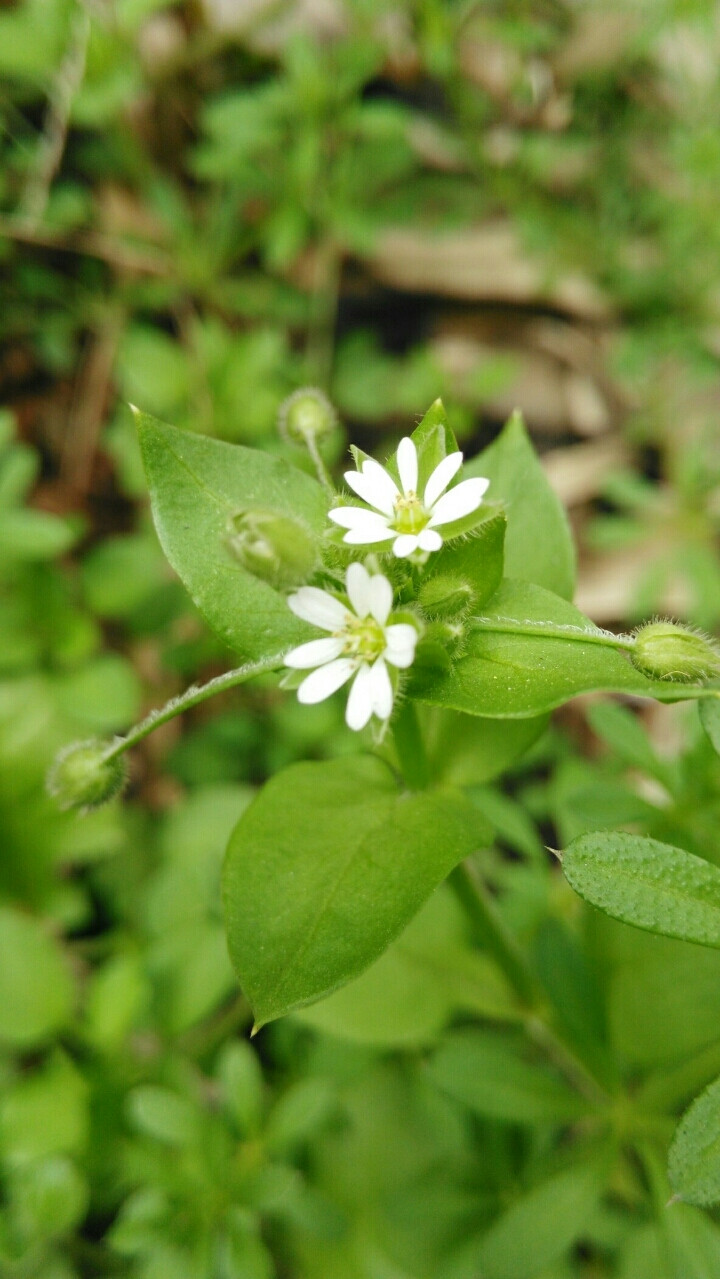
(82, 778)
(664, 650)
(445, 595)
(306, 413)
(271, 546)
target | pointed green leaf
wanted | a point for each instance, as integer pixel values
(325, 868)
(467, 750)
(539, 546)
(200, 489)
(694, 1161)
(651, 885)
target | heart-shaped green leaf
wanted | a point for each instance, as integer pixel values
(325, 868)
(234, 523)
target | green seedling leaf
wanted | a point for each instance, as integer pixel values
(651, 885)
(543, 1224)
(36, 988)
(325, 869)
(507, 674)
(539, 546)
(487, 1072)
(694, 1160)
(692, 1242)
(49, 1198)
(205, 496)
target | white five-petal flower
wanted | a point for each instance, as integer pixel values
(402, 517)
(359, 646)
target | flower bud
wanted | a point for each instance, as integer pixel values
(664, 650)
(445, 595)
(272, 546)
(306, 413)
(82, 778)
(443, 641)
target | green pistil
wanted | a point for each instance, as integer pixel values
(410, 514)
(364, 639)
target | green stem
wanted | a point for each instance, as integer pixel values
(567, 1061)
(492, 933)
(549, 630)
(192, 697)
(410, 747)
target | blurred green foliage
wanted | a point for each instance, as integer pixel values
(204, 205)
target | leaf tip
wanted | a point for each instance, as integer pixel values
(674, 1199)
(556, 852)
(256, 1026)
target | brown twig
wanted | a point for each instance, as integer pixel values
(90, 243)
(57, 118)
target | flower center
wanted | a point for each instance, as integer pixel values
(364, 639)
(410, 514)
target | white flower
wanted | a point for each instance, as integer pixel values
(410, 522)
(359, 646)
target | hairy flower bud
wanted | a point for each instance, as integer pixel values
(272, 546)
(82, 778)
(445, 595)
(664, 650)
(306, 413)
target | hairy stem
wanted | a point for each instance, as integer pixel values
(192, 697)
(549, 630)
(320, 467)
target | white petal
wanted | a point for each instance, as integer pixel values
(318, 607)
(401, 640)
(314, 653)
(360, 702)
(355, 517)
(325, 681)
(441, 477)
(429, 540)
(358, 580)
(363, 526)
(407, 463)
(381, 596)
(368, 537)
(461, 500)
(404, 545)
(374, 486)
(382, 690)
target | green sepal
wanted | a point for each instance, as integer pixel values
(434, 440)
